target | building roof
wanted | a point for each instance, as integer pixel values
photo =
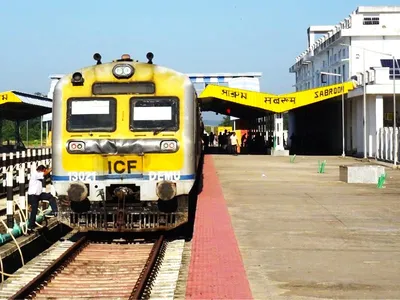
(345, 24)
(378, 9)
(18, 106)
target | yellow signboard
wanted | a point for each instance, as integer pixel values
(276, 103)
(221, 129)
(7, 97)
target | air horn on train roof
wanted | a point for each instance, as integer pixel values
(150, 57)
(97, 57)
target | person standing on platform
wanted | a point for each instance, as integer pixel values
(234, 143)
(211, 139)
(35, 194)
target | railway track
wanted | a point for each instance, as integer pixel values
(95, 270)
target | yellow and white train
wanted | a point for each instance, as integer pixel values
(126, 141)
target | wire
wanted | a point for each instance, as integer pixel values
(2, 273)
(22, 216)
(7, 274)
(15, 240)
(22, 224)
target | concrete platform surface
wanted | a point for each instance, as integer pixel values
(305, 235)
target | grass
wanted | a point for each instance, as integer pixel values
(29, 144)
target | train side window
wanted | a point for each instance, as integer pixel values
(154, 113)
(91, 114)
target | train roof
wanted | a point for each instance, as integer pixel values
(125, 58)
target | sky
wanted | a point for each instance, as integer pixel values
(56, 37)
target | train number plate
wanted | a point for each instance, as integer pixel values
(82, 176)
(124, 165)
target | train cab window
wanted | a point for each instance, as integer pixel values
(154, 113)
(91, 114)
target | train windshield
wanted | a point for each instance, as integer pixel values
(154, 114)
(91, 114)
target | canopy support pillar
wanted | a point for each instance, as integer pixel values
(278, 132)
(278, 148)
(1, 132)
(18, 141)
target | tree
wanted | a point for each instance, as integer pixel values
(207, 128)
(8, 131)
(40, 94)
(226, 121)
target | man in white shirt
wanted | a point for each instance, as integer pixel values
(234, 143)
(35, 194)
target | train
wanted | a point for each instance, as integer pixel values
(126, 146)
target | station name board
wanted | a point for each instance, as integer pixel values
(279, 100)
(234, 94)
(328, 92)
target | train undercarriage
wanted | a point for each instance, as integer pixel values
(122, 211)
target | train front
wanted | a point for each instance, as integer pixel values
(124, 146)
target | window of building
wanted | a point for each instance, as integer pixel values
(388, 63)
(371, 21)
(343, 72)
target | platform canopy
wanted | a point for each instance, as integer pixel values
(246, 104)
(17, 106)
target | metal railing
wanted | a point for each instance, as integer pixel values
(11, 162)
(15, 173)
(384, 144)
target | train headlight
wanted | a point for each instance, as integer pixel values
(168, 146)
(77, 79)
(76, 146)
(123, 71)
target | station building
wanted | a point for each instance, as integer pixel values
(364, 47)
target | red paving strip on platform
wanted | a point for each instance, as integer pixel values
(216, 268)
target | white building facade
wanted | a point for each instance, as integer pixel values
(360, 47)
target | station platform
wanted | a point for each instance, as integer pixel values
(267, 228)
